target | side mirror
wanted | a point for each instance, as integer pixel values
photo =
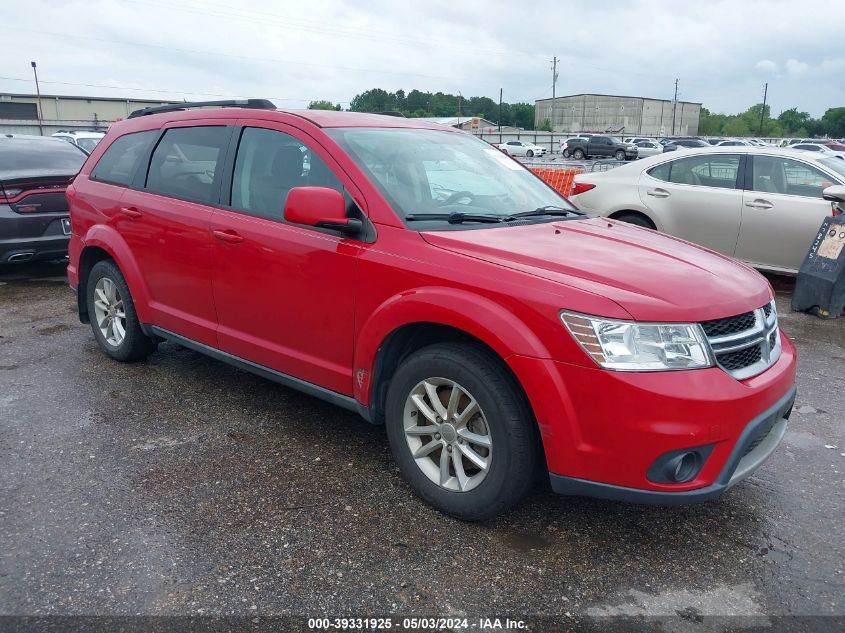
(321, 207)
(835, 193)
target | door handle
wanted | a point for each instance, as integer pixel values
(229, 237)
(658, 193)
(759, 204)
(131, 212)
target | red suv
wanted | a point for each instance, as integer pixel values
(416, 275)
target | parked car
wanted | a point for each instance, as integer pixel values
(565, 144)
(87, 141)
(762, 206)
(636, 139)
(602, 147)
(831, 149)
(521, 148)
(419, 277)
(734, 142)
(684, 143)
(34, 173)
(648, 148)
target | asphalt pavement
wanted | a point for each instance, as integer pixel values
(183, 486)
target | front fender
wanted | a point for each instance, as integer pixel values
(476, 315)
(107, 238)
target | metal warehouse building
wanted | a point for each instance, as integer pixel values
(621, 115)
(19, 112)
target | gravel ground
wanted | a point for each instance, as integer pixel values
(182, 486)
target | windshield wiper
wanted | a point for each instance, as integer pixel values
(547, 210)
(457, 217)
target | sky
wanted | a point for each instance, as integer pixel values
(722, 51)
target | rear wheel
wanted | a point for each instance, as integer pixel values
(635, 218)
(620, 154)
(112, 315)
(566, 153)
(578, 154)
(461, 432)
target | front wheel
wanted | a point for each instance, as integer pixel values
(620, 154)
(112, 315)
(461, 431)
(530, 153)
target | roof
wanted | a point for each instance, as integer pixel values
(320, 118)
(80, 134)
(595, 94)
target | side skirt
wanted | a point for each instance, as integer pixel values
(309, 388)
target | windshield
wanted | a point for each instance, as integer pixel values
(432, 172)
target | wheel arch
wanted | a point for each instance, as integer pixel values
(627, 211)
(102, 243)
(409, 322)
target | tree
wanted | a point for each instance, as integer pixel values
(833, 122)
(546, 127)
(793, 122)
(323, 105)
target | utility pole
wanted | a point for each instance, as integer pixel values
(459, 105)
(763, 109)
(674, 106)
(38, 107)
(500, 115)
(552, 117)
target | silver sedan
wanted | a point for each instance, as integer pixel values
(760, 205)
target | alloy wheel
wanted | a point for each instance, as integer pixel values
(447, 434)
(109, 311)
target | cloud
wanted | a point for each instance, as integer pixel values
(767, 66)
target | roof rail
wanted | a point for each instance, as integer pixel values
(257, 104)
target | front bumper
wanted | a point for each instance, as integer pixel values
(603, 430)
(754, 446)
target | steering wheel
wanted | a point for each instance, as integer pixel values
(458, 195)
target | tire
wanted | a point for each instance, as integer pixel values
(134, 344)
(579, 154)
(620, 154)
(566, 153)
(530, 153)
(637, 219)
(503, 419)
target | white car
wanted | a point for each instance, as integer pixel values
(647, 148)
(87, 141)
(735, 142)
(521, 148)
(763, 206)
(636, 139)
(829, 149)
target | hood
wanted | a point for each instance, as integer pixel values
(653, 276)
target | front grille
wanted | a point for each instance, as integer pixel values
(728, 325)
(746, 344)
(740, 359)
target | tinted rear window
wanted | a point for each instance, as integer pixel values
(184, 163)
(22, 157)
(118, 164)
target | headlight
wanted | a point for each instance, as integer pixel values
(633, 346)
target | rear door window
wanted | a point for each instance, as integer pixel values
(718, 170)
(121, 160)
(185, 162)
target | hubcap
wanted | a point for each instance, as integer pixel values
(447, 434)
(109, 312)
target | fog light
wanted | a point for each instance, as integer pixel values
(680, 466)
